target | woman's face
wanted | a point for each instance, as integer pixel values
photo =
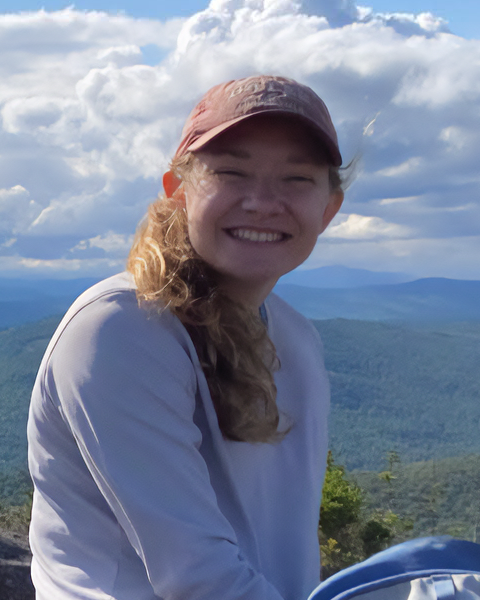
(256, 201)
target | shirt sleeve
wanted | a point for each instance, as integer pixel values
(125, 385)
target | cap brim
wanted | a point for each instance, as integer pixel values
(324, 138)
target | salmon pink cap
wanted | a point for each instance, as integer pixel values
(229, 103)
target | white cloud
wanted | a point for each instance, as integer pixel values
(358, 227)
(17, 210)
(456, 258)
(39, 112)
(121, 56)
(405, 168)
(61, 268)
(88, 125)
(408, 199)
(111, 244)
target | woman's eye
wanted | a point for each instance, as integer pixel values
(228, 173)
(299, 179)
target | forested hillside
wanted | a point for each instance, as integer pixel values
(439, 496)
(21, 350)
(416, 391)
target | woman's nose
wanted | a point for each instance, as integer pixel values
(262, 196)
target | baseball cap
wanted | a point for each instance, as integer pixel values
(229, 103)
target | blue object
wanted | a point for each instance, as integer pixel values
(435, 557)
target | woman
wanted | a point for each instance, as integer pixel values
(178, 423)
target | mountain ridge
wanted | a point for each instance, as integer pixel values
(429, 299)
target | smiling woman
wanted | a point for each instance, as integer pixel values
(184, 405)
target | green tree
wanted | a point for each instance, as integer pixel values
(341, 500)
(349, 531)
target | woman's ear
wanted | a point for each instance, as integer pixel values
(333, 206)
(172, 186)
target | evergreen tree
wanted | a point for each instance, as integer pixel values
(349, 532)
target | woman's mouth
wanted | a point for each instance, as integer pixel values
(253, 235)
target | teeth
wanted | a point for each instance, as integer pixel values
(256, 236)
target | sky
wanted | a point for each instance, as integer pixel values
(92, 102)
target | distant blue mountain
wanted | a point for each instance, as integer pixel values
(23, 289)
(342, 277)
(432, 299)
(29, 300)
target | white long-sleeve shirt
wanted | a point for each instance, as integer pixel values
(137, 494)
